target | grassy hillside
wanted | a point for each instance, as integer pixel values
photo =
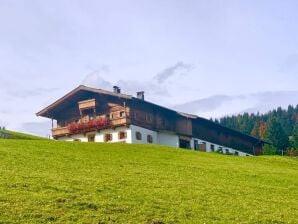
(17, 135)
(60, 182)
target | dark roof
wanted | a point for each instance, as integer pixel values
(44, 111)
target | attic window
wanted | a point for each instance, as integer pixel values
(122, 113)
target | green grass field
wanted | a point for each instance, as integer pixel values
(18, 135)
(60, 182)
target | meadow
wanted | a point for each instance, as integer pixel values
(43, 181)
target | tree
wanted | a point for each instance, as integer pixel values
(270, 150)
(276, 135)
(294, 137)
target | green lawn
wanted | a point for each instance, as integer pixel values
(60, 182)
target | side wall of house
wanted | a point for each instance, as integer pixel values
(144, 134)
(213, 147)
(210, 132)
(168, 138)
(162, 138)
(99, 136)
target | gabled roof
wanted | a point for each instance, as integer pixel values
(44, 111)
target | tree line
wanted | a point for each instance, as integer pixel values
(279, 127)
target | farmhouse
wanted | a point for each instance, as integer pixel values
(94, 115)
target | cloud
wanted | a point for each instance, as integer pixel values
(221, 105)
(203, 105)
(155, 88)
(132, 86)
(4, 111)
(95, 78)
(179, 68)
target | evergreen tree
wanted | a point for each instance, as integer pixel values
(276, 134)
(294, 137)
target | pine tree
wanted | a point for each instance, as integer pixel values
(276, 134)
(294, 137)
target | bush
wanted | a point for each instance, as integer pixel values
(270, 150)
(292, 152)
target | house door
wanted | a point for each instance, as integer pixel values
(184, 142)
(91, 138)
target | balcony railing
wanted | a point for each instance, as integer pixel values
(91, 125)
(60, 131)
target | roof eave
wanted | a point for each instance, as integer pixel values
(43, 112)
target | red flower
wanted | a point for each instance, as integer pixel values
(93, 124)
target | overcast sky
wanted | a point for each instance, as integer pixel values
(223, 56)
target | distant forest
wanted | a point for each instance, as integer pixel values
(279, 127)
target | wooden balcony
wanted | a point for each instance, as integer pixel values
(87, 104)
(56, 132)
(84, 127)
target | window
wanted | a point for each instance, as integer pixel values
(122, 135)
(122, 114)
(212, 147)
(196, 145)
(219, 150)
(236, 153)
(149, 138)
(227, 151)
(138, 135)
(108, 137)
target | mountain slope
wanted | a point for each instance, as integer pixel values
(6, 134)
(69, 182)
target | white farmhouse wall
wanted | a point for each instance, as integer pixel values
(80, 137)
(145, 132)
(216, 147)
(167, 138)
(162, 138)
(99, 137)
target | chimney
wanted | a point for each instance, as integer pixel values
(116, 89)
(141, 95)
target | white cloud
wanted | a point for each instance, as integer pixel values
(179, 68)
(221, 105)
(156, 89)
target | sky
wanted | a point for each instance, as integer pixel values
(211, 58)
